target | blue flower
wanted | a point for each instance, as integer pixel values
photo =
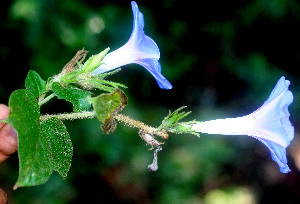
(269, 124)
(139, 49)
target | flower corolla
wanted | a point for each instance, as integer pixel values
(139, 49)
(269, 124)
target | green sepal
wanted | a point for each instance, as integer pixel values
(35, 84)
(108, 103)
(171, 123)
(104, 85)
(99, 82)
(77, 97)
(108, 73)
(174, 117)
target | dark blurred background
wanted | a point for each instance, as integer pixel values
(223, 59)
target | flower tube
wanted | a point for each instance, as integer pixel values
(269, 124)
(139, 49)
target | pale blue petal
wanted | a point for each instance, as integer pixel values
(272, 118)
(153, 67)
(273, 123)
(138, 23)
(278, 154)
(147, 49)
(280, 87)
(139, 49)
(269, 124)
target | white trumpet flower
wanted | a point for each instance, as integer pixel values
(139, 49)
(269, 124)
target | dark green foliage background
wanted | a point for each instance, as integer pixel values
(223, 59)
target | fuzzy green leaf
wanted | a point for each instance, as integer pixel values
(77, 97)
(25, 118)
(35, 84)
(57, 145)
(42, 148)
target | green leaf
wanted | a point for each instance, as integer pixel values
(77, 97)
(57, 146)
(35, 84)
(108, 103)
(25, 118)
(42, 148)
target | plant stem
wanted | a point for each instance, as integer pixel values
(138, 124)
(91, 114)
(70, 116)
(45, 100)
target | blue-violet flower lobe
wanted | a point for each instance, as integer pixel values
(139, 49)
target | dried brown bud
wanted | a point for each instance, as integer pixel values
(109, 126)
(72, 64)
(149, 139)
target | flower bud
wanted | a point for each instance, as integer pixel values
(94, 61)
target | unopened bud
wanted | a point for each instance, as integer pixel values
(94, 61)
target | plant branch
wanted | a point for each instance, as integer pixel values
(45, 100)
(70, 116)
(137, 124)
(125, 119)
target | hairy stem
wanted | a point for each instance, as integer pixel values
(91, 114)
(138, 124)
(45, 100)
(70, 116)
